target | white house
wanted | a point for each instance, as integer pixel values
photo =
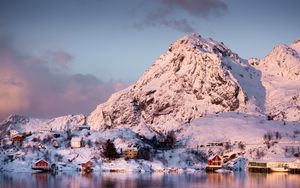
(76, 142)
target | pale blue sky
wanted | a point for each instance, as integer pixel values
(100, 37)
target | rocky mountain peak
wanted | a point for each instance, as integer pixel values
(283, 61)
(296, 42)
(191, 79)
(195, 41)
(296, 45)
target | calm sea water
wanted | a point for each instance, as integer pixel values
(155, 180)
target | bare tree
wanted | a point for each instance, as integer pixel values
(241, 145)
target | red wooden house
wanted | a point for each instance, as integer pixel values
(41, 165)
(87, 167)
(215, 161)
(17, 138)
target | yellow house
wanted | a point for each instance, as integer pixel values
(130, 153)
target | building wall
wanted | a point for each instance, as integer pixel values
(41, 164)
(75, 144)
(130, 154)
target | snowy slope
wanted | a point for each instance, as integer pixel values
(249, 129)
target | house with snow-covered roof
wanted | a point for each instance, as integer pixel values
(41, 164)
(76, 142)
(214, 163)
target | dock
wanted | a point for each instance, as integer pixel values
(258, 167)
(267, 167)
(212, 168)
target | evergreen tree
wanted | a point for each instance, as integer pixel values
(170, 140)
(109, 150)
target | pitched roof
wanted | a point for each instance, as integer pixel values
(41, 160)
(214, 157)
(76, 139)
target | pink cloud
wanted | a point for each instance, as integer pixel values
(200, 8)
(167, 13)
(181, 25)
(61, 58)
(29, 86)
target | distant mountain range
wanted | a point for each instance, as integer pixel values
(196, 77)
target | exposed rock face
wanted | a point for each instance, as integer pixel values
(191, 79)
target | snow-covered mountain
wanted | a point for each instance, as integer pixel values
(196, 77)
(281, 81)
(193, 78)
(25, 124)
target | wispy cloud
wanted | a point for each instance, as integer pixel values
(198, 7)
(32, 86)
(169, 13)
(59, 58)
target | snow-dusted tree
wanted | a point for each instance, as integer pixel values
(47, 139)
(109, 150)
(154, 140)
(144, 153)
(58, 157)
(136, 107)
(89, 143)
(259, 153)
(268, 136)
(227, 146)
(200, 155)
(69, 134)
(241, 145)
(277, 135)
(36, 139)
(170, 140)
(46, 155)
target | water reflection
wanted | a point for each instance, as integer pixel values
(155, 180)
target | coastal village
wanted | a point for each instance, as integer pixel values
(80, 149)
